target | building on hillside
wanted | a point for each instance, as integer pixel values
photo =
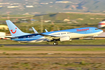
(80, 19)
(47, 21)
(12, 6)
(29, 6)
(66, 20)
(4, 27)
(60, 1)
(2, 35)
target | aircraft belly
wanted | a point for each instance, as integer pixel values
(76, 35)
(39, 40)
(93, 34)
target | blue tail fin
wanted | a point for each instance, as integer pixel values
(14, 30)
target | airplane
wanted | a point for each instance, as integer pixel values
(54, 36)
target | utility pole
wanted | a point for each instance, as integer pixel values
(41, 24)
(32, 20)
(8, 16)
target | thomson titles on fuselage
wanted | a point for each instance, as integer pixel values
(82, 29)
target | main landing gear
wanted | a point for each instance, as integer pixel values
(55, 43)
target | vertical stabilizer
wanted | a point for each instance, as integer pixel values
(14, 30)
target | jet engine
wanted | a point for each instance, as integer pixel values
(65, 38)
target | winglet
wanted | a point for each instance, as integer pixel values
(46, 30)
(34, 30)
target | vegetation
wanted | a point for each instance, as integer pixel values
(73, 42)
(52, 64)
(50, 48)
(57, 21)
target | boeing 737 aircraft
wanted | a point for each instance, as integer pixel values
(54, 36)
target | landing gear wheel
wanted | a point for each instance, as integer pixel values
(55, 43)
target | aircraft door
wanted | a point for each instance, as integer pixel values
(90, 30)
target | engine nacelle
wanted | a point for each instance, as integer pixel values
(65, 38)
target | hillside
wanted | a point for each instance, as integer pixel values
(92, 5)
(50, 6)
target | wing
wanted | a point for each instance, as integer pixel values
(26, 36)
(50, 37)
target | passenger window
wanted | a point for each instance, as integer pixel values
(96, 29)
(63, 33)
(56, 34)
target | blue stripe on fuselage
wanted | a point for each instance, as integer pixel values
(28, 37)
(85, 30)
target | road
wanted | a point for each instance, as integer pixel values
(35, 45)
(47, 57)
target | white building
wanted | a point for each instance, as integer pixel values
(2, 35)
(12, 6)
(29, 6)
(63, 2)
